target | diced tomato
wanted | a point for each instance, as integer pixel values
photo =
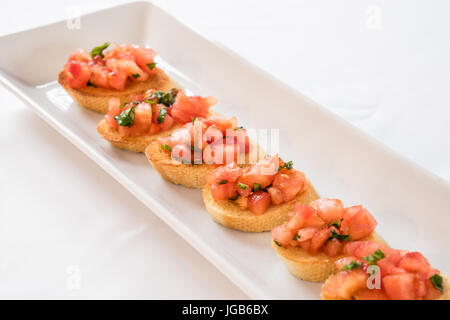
(144, 57)
(314, 220)
(333, 248)
(368, 294)
(231, 172)
(319, 239)
(77, 74)
(222, 153)
(182, 153)
(261, 173)
(330, 210)
(80, 55)
(290, 184)
(134, 72)
(223, 191)
(358, 222)
(276, 195)
(113, 110)
(155, 129)
(99, 76)
(306, 233)
(185, 108)
(414, 262)
(213, 134)
(117, 79)
(346, 284)
(305, 245)
(223, 123)
(300, 215)
(167, 121)
(399, 286)
(366, 248)
(259, 202)
(282, 235)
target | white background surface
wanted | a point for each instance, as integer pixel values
(383, 65)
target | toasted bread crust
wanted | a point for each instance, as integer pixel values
(230, 215)
(135, 144)
(96, 99)
(188, 175)
(315, 268)
(445, 294)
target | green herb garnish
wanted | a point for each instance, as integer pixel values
(166, 147)
(256, 187)
(234, 198)
(352, 265)
(337, 224)
(166, 98)
(340, 237)
(242, 186)
(296, 237)
(135, 75)
(239, 128)
(288, 165)
(98, 51)
(125, 118)
(161, 115)
(436, 281)
(223, 181)
(90, 84)
(277, 243)
(151, 66)
(374, 257)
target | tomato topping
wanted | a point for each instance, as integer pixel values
(223, 191)
(231, 172)
(186, 108)
(259, 202)
(329, 210)
(289, 183)
(358, 222)
(109, 70)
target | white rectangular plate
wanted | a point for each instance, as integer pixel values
(411, 205)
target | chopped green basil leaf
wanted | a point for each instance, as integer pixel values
(239, 128)
(98, 51)
(135, 75)
(436, 281)
(166, 147)
(234, 198)
(242, 186)
(296, 237)
(223, 181)
(340, 237)
(125, 118)
(374, 257)
(256, 186)
(161, 115)
(288, 165)
(151, 66)
(352, 265)
(336, 224)
(277, 243)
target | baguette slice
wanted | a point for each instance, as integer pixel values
(96, 99)
(316, 268)
(445, 295)
(188, 175)
(135, 144)
(230, 215)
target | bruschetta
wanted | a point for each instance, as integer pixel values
(257, 197)
(91, 79)
(317, 234)
(135, 125)
(398, 275)
(189, 153)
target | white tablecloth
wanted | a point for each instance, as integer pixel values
(68, 230)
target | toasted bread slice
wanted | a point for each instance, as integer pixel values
(315, 268)
(96, 99)
(135, 144)
(229, 214)
(188, 175)
(445, 294)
